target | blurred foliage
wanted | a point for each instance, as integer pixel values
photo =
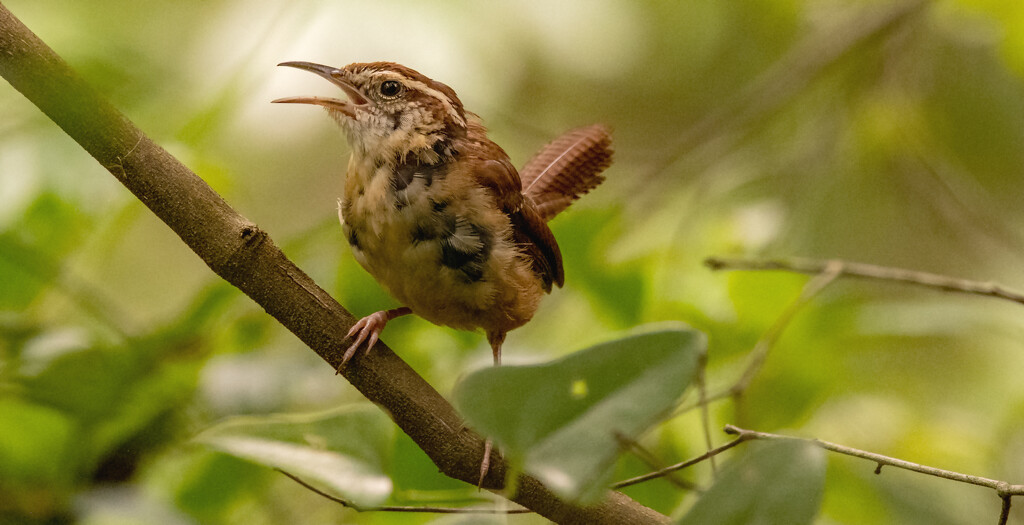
(751, 127)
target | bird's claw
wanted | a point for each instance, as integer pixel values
(367, 330)
(485, 465)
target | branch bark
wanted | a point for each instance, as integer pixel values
(244, 255)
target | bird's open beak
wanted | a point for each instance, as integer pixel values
(348, 107)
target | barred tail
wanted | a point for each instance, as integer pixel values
(567, 168)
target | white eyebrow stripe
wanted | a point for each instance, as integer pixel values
(448, 106)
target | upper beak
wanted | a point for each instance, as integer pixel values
(337, 77)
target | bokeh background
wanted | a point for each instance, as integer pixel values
(882, 132)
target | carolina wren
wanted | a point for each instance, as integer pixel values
(437, 213)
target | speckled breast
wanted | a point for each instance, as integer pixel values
(426, 236)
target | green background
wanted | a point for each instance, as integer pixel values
(755, 128)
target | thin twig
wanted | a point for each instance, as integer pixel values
(711, 398)
(1004, 489)
(829, 273)
(871, 271)
(401, 508)
(679, 466)
(651, 461)
(702, 400)
(1004, 514)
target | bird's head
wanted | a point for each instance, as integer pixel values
(389, 110)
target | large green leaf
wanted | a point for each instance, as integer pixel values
(777, 483)
(343, 449)
(563, 421)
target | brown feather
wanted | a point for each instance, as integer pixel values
(531, 232)
(529, 229)
(567, 168)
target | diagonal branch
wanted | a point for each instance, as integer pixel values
(245, 256)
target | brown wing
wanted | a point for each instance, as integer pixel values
(567, 168)
(529, 229)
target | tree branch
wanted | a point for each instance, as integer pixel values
(1003, 489)
(869, 271)
(245, 256)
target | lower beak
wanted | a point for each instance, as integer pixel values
(356, 99)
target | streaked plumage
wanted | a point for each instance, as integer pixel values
(437, 212)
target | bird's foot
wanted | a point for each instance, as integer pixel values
(368, 330)
(485, 465)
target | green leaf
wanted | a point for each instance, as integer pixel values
(562, 421)
(36, 444)
(778, 482)
(343, 449)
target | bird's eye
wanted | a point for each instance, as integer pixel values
(390, 88)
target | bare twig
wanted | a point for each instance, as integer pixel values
(651, 460)
(871, 271)
(830, 272)
(1003, 489)
(1004, 513)
(402, 508)
(705, 411)
(711, 398)
(679, 466)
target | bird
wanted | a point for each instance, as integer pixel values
(438, 214)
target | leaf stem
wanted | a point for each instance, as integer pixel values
(401, 508)
(679, 466)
